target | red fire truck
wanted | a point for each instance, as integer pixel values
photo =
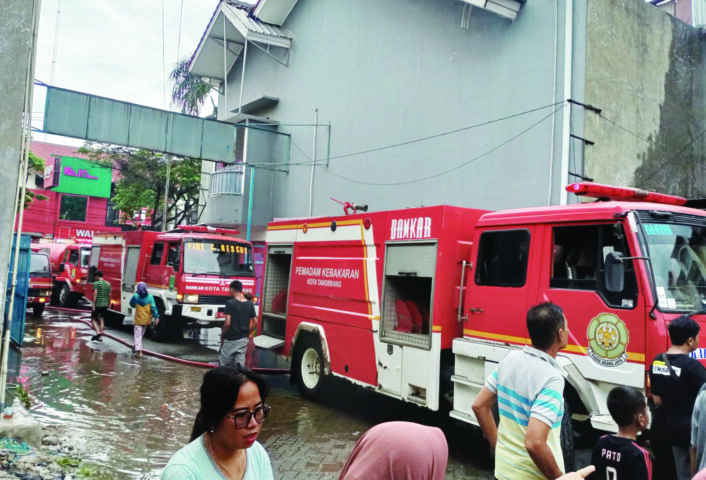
(69, 266)
(421, 304)
(40, 282)
(188, 271)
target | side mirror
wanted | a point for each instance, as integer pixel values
(61, 267)
(614, 272)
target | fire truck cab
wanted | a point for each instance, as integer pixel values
(188, 271)
(69, 267)
(422, 303)
(40, 282)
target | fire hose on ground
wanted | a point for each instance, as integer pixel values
(193, 363)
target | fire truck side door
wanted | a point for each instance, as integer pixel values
(155, 266)
(132, 259)
(502, 285)
(607, 329)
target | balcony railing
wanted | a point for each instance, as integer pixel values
(228, 180)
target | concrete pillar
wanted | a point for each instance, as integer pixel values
(16, 43)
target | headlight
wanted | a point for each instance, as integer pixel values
(191, 298)
(46, 293)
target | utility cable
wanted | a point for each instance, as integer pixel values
(478, 157)
(442, 134)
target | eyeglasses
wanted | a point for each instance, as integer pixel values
(242, 419)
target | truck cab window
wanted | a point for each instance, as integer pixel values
(73, 257)
(174, 256)
(502, 258)
(578, 261)
(157, 253)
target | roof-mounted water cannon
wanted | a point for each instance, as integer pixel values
(625, 194)
(208, 229)
(351, 206)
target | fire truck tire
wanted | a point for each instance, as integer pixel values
(64, 296)
(567, 439)
(309, 367)
(38, 309)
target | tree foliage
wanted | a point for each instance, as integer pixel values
(189, 91)
(143, 175)
(38, 165)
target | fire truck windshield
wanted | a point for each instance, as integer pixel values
(678, 258)
(224, 258)
(38, 265)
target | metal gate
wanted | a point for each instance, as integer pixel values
(17, 329)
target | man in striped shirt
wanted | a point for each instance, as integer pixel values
(101, 300)
(528, 387)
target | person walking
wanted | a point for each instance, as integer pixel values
(101, 300)
(145, 310)
(239, 325)
(675, 380)
(528, 388)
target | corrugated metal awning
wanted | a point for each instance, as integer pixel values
(239, 28)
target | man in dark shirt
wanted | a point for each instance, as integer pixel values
(675, 379)
(239, 325)
(618, 456)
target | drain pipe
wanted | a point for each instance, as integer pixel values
(313, 164)
(566, 117)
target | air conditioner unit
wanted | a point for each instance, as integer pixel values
(505, 8)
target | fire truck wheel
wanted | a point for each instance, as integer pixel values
(309, 367)
(38, 309)
(64, 296)
(567, 439)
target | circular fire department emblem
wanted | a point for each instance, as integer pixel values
(607, 340)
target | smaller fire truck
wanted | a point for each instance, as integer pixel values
(40, 282)
(188, 271)
(421, 304)
(69, 266)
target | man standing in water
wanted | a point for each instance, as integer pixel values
(240, 323)
(101, 300)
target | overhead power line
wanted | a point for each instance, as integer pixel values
(457, 167)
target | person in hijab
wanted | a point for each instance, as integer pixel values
(398, 451)
(145, 311)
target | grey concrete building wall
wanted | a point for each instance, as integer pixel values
(16, 42)
(385, 73)
(645, 69)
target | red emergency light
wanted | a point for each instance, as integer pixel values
(597, 190)
(207, 229)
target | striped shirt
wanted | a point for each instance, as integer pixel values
(529, 384)
(102, 289)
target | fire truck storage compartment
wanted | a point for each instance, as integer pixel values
(407, 293)
(131, 261)
(275, 291)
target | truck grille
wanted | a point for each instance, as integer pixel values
(213, 299)
(37, 292)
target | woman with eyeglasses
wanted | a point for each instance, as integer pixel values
(224, 438)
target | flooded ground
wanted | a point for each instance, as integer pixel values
(129, 415)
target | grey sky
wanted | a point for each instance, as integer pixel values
(113, 48)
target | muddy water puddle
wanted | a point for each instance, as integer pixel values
(129, 415)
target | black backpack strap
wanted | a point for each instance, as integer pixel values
(669, 367)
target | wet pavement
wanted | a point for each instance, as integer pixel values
(128, 415)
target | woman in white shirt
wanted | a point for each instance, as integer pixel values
(224, 438)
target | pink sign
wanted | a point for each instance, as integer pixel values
(80, 173)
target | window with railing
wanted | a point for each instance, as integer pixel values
(228, 180)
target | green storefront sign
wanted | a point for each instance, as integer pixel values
(82, 177)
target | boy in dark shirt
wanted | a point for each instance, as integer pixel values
(618, 456)
(675, 379)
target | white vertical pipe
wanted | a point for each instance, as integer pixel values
(225, 65)
(566, 117)
(166, 193)
(55, 50)
(313, 164)
(552, 144)
(242, 77)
